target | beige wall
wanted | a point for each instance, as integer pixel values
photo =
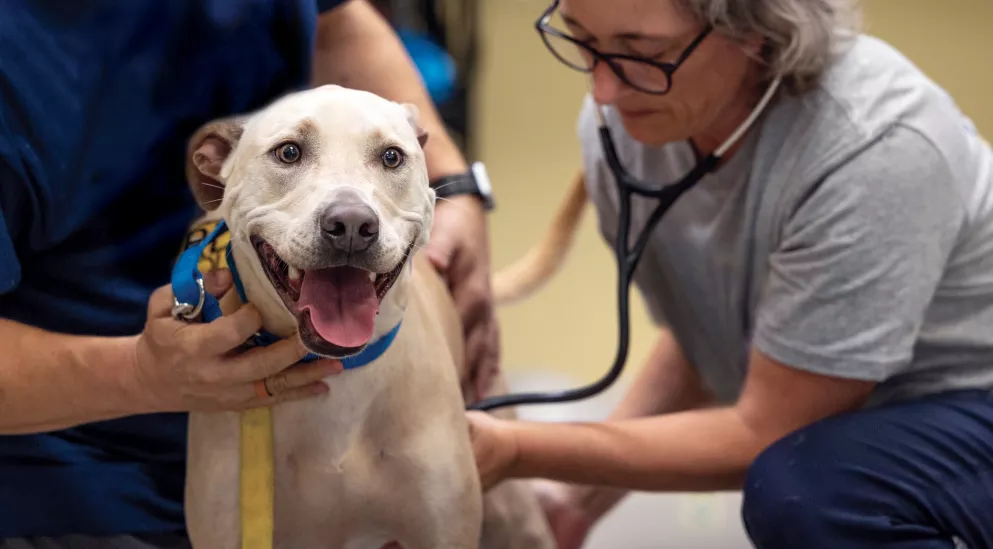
(527, 107)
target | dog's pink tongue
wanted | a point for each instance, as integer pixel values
(342, 303)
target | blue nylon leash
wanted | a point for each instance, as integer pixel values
(191, 301)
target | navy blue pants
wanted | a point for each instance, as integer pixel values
(911, 475)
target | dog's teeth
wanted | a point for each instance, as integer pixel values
(294, 273)
(372, 276)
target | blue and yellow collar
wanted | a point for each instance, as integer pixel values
(208, 248)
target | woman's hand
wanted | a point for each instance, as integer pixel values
(494, 446)
(496, 450)
(192, 367)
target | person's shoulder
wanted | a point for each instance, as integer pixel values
(870, 94)
(876, 84)
(872, 87)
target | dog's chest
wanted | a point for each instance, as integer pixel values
(322, 452)
(320, 432)
(330, 486)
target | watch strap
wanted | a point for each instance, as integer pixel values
(473, 182)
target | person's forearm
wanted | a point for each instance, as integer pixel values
(697, 450)
(357, 48)
(52, 381)
(666, 383)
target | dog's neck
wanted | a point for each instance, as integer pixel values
(280, 322)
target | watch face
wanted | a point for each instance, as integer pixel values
(482, 179)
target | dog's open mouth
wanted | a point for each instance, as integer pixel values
(335, 307)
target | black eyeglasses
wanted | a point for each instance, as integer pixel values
(641, 73)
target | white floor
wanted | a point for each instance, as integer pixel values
(642, 521)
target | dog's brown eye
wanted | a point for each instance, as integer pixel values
(392, 158)
(288, 153)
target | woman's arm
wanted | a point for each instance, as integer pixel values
(357, 48)
(666, 383)
(696, 450)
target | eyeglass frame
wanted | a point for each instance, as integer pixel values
(667, 68)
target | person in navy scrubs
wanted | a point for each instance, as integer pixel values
(97, 101)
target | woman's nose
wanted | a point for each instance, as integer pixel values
(606, 85)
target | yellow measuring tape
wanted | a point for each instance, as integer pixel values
(256, 479)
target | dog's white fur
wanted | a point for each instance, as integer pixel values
(385, 454)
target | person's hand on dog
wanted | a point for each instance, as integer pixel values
(494, 446)
(459, 250)
(194, 367)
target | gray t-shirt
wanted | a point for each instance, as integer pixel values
(851, 235)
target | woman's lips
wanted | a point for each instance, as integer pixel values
(636, 113)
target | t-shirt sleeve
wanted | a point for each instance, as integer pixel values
(326, 5)
(860, 260)
(11, 186)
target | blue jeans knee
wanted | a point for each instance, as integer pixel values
(884, 478)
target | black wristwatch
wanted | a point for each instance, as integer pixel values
(474, 182)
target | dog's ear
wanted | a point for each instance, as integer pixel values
(413, 117)
(206, 152)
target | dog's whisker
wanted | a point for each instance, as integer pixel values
(214, 200)
(461, 205)
(442, 186)
(214, 186)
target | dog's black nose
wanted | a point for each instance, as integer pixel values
(350, 224)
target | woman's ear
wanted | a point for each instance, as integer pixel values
(207, 151)
(756, 47)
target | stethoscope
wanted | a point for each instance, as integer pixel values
(628, 256)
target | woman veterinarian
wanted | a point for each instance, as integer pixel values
(97, 102)
(824, 297)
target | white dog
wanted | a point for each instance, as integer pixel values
(325, 194)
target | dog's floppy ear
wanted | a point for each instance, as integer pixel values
(413, 116)
(205, 155)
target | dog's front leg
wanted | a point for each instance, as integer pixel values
(455, 531)
(440, 506)
(452, 522)
(212, 481)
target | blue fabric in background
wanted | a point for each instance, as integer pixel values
(435, 65)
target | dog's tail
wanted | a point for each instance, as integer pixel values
(536, 267)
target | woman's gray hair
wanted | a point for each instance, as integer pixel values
(803, 36)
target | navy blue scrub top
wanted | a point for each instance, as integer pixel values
(97, 100)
